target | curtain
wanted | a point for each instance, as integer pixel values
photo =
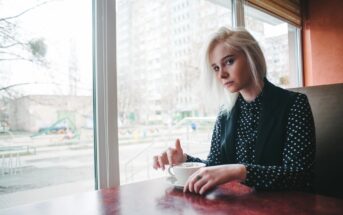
(289, 10)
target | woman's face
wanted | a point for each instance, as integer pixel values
(231, 67)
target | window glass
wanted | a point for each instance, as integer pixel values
(158, 43)
(278, 40)
(46, 110)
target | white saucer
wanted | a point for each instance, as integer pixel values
(173, 181)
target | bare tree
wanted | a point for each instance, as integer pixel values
(14, 47)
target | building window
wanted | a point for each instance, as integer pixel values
(280, 44)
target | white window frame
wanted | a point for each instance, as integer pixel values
(105, 102)
(105, 85)
(238, 21)
(299, 62)
(237, 15)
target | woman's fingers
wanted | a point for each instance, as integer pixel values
(155, 164)
(161, 160)
(199, 183)
(205, 187)
(178, 145)
(189, 186)
(170, 156)
(170, 153)
(199, 186)
(186, 187)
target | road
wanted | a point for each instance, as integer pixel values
(58, 164)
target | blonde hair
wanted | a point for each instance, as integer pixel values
(239, 40)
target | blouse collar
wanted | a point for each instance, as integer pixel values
(255, 104)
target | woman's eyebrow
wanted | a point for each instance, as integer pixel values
(224, 58)
(227, 56)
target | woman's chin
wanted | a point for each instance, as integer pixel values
(231, 89)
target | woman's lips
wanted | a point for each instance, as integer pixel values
(227, 84)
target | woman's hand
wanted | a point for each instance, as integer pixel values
(170, 156)
(209, 177)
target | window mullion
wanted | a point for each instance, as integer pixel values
(106, 96)
(237, 13)
(299, 58)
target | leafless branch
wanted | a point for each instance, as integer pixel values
(23, 12)
(11, 45)
(13, 85)
(8, 35)
(15, 56)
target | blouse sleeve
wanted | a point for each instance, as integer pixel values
(214, 156)
(298, 154)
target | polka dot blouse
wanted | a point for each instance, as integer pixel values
(298, 151)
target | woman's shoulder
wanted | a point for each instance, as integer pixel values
(294, 96)
(282, 93)
(300, 99)
(277, 99)
(223, 113)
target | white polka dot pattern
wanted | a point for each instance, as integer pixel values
(298, 152)
(246, 133)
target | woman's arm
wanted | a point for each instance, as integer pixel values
(295, 172)
(209, 177)
(298, 154)
(214, 156)
(175, 155)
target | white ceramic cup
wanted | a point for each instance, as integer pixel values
(182, 171)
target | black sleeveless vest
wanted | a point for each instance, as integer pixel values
(271, 131)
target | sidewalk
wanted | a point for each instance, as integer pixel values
(43, 194)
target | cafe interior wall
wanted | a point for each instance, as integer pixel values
(322, 42)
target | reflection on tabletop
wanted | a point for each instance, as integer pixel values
(176, 199)
(236, 198)
(158, 196)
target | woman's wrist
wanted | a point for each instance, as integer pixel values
(242, 172)
(184, 157)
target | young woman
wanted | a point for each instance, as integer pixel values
(264, 136)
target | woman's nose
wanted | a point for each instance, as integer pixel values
(224, 73)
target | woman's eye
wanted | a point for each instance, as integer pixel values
(230, 61)
(216, 68)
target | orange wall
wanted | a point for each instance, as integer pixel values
(323, 42)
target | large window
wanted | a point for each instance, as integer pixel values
(158, 46)
(147, 52)
(158, 43)
(46, 102)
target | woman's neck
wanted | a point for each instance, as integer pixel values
(251, 92)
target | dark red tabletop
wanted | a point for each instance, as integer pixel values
(159, 197)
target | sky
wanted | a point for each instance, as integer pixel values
(66, 26)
